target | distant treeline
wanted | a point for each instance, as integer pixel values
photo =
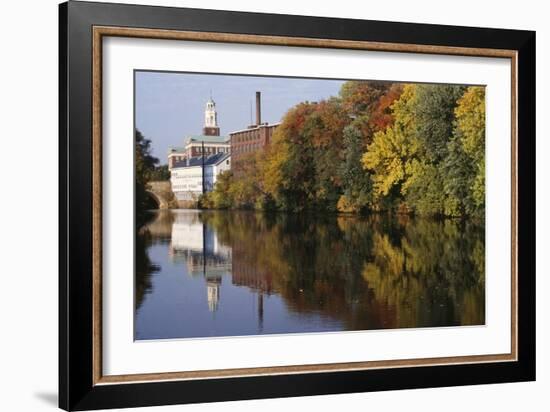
(378, 146)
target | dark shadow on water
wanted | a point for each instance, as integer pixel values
(49, 398)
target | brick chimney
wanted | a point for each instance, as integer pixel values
(258, 108)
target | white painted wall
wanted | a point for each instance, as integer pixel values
(29, 282)
(186, 182)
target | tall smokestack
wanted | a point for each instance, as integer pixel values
(258, 108)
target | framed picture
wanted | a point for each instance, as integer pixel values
(257, 205)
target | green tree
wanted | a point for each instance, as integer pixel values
(290, 171)
(424, 191)
(160, 173)
(145, 164)
(470, 129)
(414, 162)
(459, 171)
(325, 129)
(221, 196)
(434, 110)
(356, 182)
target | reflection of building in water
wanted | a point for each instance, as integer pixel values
(248, 272)
(197, 245)
(187, 232)
(213, 292)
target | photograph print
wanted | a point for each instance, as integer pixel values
(278, 205)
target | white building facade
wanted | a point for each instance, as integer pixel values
(186, 182)
(186, 177)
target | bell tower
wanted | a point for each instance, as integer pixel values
(210, 119)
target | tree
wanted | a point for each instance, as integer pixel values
(245, 189)
(367, 103)
(459, 172)
(326, 125)
(160, 173)
(289, 175)
(424, 191)
(381, 114)
(414, 161)
(470, 129)
(434, 110)
(464, 166)
(220, 197)
(390, 152)
(413, 148)
(145, 164)
(356, 182)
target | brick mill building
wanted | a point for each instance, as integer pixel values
(252, 139)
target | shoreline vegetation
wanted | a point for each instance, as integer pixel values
(377, 147)
(413, 149)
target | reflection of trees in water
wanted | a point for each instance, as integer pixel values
(160, 227)
(375, 272)
(144, 267)
(432, 273)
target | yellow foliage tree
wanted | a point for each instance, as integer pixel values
(470, 120)
(391, 150)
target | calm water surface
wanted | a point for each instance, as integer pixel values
(227, 273)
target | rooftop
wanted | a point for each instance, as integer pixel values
(256, 126)
(176, 149)
(206, 139)
(197, 161)
(199, 139)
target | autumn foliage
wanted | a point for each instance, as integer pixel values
(377, 146)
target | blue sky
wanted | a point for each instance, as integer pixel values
(170, 106)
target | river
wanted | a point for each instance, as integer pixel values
(235, 273)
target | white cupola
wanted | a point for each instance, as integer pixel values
(210, 115)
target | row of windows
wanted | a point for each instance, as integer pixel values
(247, 148)
(245, 137)
(209, 150)
(192, 188)
(207, 174)
(212, 149)
(186, 187)
(197, 176)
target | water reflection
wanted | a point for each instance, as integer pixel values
(241, 273)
